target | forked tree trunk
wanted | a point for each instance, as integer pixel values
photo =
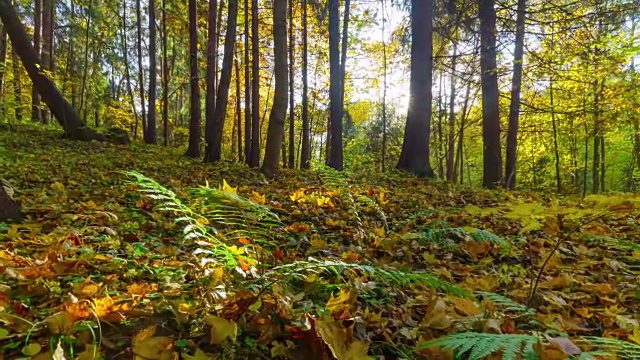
(212, 49)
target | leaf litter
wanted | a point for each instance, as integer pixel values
(360, 266)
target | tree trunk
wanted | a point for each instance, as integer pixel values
(414, 157)
(305, 158)
(554, 126)
(47, 43)
(595, 171)
(127, 72)
(3, 69)
(254, 158)
(335, 143)
(150, 134)
(514, 107)
(292, 46)
(238, 126)
(451, 170)
(37, 36)
(17, 86)
(85, 67)
(212, 56)
(194, 124)
(9, 209)
(60, 108)
(275, 132)
(492, 166)
(383, 156)
(214, 146)
(140, 68)
(165, 76)
(247, 85)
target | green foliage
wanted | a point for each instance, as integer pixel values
(449, 237)
(478, 346)
(506, 303)
(300, 269)
(610, 347)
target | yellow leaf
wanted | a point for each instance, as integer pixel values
(346, 298)
(103, 306)
(226, 187)
(257, 198)
(381, 197)
(298, 196)
(145, 346)
(199, 355)
(340, 341)
(323, 200)
(221, 329)
(56, 186)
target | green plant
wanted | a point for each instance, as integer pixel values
(507, 303)
(477, 346)
(233, 216)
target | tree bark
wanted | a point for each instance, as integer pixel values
(9, 208)
(150, 133)
(514, 107)
(335, 144)
(194, 124)
(212, 56)
(140, 68)
(47, 43)
(451, 170)
(37, 37)
(3, 69)
(17, 86)
(275, 132)
(492, 163)
(165, 76)
(247, 85)
(60, 108)
(254, 158)
(305, 158)
(414, 157)
(127, 71)
(238, 125)
(292, 46)
(214, 145)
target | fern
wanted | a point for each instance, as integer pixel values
(445, 236)
(236, 216)
(610, 347)
(299, 269)
(507, 303)
(478, 346)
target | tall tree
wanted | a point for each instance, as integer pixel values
(492, 163)
(514, 107)
(305, 158)
(60, 108)
(37, 39)
(292, 47)
(140, 67)
(3, 68)
(165, 74)
(17, 85)
(451, 170)
(212, 56)
(127, 71)
(275, 131)
(150, 132)
(254, 158)
(48, 11)
(414, 157)
(214, 144)
(247, 84)
(335, 144)
(194, 123)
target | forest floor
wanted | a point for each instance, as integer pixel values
(98, 271)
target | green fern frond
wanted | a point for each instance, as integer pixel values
(477, 346)
(393, 277)
(507, 303)
(233, 216)
(610, 347)
(446, 237)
